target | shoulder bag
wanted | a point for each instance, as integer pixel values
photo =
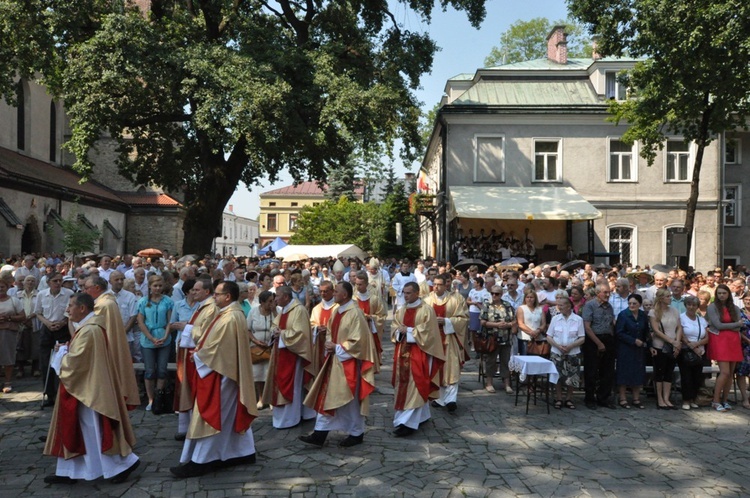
(690, 357)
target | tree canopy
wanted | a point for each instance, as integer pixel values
(693, 81)
(370, 226)
(201, 95)
(527, 40)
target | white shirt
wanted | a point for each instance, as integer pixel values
(566, 331)
(128, 304)
(105, 274)
(478, 296)
(693, 328)
(514, 303)
(52, 307)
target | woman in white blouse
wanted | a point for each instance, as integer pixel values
(259, 323)
(694, 337)
(565, 335)
(531, 320)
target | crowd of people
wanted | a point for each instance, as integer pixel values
(305, 340)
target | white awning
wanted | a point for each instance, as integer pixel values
(323, 251)
(520, 203)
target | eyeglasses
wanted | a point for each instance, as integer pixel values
(220, 293)
(57, 280)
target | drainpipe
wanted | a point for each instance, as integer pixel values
(443, 216)
(720, 210)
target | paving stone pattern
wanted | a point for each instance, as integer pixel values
(488, 447)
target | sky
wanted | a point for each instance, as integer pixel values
(463, 50)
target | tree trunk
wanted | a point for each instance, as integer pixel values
(205, 203)
(692, 203)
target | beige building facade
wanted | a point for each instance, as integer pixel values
(542, 124)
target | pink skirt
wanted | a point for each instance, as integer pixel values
(725, 347)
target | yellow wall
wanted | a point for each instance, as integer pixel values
(282, 209)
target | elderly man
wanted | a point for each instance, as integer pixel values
(117, 339)
(660, 282)
(90, 432)
(128, 304)
(278, 281)
(678, 298)
(599, 349)
(220, 435)
(141, 282)
(28, 268)
(136, 263)
(379, 281)
(417, 361)
(50, 309)
(453, 322)
(619, 300)
(290, 369)
(105, 270)
(190, 333)
(374, 308)
(340, 393)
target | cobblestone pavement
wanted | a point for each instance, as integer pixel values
(488, 447)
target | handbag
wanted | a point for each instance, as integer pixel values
(689, 357)
(535, 348)
(484, 343)
(260, 354)
(666, 348)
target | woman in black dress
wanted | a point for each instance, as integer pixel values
(632, 334)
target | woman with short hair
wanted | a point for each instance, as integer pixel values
(632, 333)
(694, 338)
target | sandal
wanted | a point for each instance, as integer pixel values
(624, 404)
(558, 404)
(637, 403)
(7, 388)
(569, 405)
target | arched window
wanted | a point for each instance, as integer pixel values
(52, 131)
(20, 117)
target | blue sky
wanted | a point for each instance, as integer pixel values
(463, 50)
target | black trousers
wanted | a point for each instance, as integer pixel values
(599, 369)
(47, 341)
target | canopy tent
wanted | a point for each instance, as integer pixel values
(274, 246)
(520, 203)
(324, 251)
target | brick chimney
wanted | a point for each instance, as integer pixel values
(557, 45)
(230, 208)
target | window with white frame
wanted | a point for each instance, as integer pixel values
(732, 151)
(614, 89)
(731, 203)
(622, 162)
(489, 158)
(547, 160)
(678, 159)
(621, 242)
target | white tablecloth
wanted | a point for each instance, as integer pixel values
(533, 365)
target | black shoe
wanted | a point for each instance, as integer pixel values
(352, 441)
(403, 431)
(245, 460)
(53, 479)
(590, 405)
(180, 436)
(43, 439)
(192, 469)
(607, 404)
(452, 406)
(435, 404)
(125, 473)
(48, 402)
(317, 438)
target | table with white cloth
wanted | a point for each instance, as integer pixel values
(535, 367)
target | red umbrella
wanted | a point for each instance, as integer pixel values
(150, 253)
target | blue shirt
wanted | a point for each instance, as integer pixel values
(156, 317)
(182, 311)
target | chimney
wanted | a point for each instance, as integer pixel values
(557, 45)
(595, 48)
(231, 208)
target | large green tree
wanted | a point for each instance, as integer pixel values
(339, 222)
(694, 78)
(527, 40)
(200, 94)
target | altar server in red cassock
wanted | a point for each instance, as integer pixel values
(453, 321)
(290, 369)
(340, 393)
(417, 361)
(90, 433)
(219, 434)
